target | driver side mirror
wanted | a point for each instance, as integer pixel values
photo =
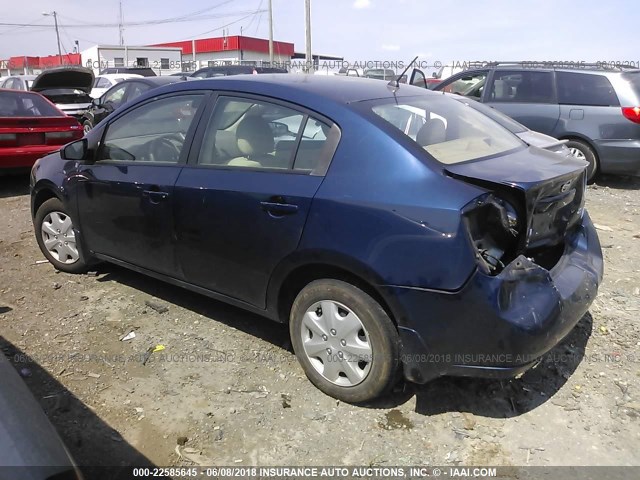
(76, 150)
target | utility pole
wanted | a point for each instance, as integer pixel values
(54, 14)
(121, 25)
(270, 33)
(307, 9)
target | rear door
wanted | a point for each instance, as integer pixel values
(125, 197)
(590, 107)
(242, 201)
(526, 96)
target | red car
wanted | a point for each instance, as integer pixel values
(31, 127)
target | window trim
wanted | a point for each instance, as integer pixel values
(323, 164)
(188, 141)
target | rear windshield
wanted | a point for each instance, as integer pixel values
(634, 80)
(23, 104)
(450, 131)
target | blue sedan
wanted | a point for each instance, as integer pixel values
(396, 231)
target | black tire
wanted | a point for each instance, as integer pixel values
(50, 206)
(381, 335)
(589, 156)
(86, 126)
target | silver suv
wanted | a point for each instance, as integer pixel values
(596, 109)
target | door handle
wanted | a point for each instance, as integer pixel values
(279, 209)
(155, 196)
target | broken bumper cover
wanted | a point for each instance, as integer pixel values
(499, 326)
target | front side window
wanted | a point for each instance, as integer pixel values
(249, 133)
(469, 85)
(115, 96)
(449, 130)
(154, 132)
(585, 89)
(522, 87)
(103, 82)
(136, 89)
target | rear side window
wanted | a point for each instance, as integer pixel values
(245, 133)
(585, 89)
(522, 87)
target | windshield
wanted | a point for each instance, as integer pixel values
(495, 115)
(450, 131)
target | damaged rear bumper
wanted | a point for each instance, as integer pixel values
(499, 326)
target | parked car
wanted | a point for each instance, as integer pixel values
(31, 127)
(226, 70)
(597, 110)
(118, 95)
(142, 71)
(30, 444)
(453, 250)
(67, 87)
(18, 82)
(102, 83)
(383, 74)
(535, 139)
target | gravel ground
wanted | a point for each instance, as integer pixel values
(227, 389)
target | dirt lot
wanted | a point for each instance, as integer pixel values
(228, 383)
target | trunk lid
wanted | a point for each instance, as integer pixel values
(549, 189)
(25, 131)
(75, 78)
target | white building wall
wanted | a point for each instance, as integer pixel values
(233, 57)
(103, 56)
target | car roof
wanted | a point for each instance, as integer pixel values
(340, 89)
(125, 76)
(23, 77)
(165, 80)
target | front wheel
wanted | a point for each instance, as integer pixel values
(583, 151)
(56, 237)
(344, 340)
(87, 126)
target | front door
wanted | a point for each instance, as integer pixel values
(242, 202)
(125, 197)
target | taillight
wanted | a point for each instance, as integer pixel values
(493, 227)
(632, 113)
(8, 139)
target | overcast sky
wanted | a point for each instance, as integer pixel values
(358, 30)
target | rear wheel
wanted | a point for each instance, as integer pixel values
(344, 340)
(583, 151)
(87, 126)
(56, 237)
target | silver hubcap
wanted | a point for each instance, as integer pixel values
(578, 154)
(86, 128)
(59, 238)
(336, 343)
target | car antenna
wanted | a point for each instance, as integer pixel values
(395, 83)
